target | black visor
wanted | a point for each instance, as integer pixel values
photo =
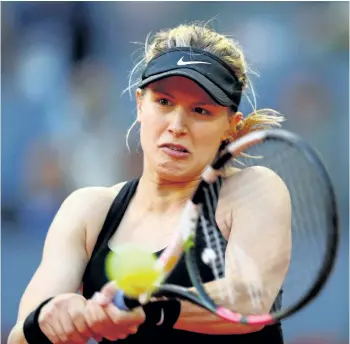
(202, 67)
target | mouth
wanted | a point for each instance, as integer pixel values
(174, 147)
(175, 151)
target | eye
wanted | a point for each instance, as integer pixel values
(201, 111)
(164, 102)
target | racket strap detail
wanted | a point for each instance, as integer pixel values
(162, 314)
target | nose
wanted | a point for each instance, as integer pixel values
(178, 123)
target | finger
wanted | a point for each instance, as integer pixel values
(98, 321)
(71, 332)
(51, 316)
(108, 292)
(95, 317)
(50, 333)
(79, 323)
(46, 323)
(101, 299)
(134, 317)
(133, 329)
(58, 325)
(120, 334)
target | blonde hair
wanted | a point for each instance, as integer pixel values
(200, 36)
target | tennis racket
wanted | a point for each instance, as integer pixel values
(314, 234)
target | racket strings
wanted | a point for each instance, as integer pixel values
(309, 197)
(215, 243)
(311, 220)
(227, 291)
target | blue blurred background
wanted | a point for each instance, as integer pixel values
(64, 121)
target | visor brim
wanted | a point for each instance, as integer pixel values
(214, 91)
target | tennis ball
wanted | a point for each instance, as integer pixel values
(133, 269)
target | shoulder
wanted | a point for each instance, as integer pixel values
(93, 200)
(258, 184)
(83, 213)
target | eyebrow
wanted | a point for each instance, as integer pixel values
(158, 89)
(209, 102)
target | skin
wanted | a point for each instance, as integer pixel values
(173, 110)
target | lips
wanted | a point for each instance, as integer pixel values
(175, 150)
(175, 147)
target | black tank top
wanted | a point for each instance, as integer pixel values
(95, 278)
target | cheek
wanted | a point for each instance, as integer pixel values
(208, 138)
(151, 127)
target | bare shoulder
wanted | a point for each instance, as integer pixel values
(94, 198)
(256, 180)
(82, 213)
(93, 204)
(254, 190)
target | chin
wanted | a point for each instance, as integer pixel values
(177, 174)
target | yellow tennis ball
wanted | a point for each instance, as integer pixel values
(133, 269)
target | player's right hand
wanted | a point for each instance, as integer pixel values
(106, 320)
(62, 320)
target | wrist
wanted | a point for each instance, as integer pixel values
(31, 329)
(162, 314)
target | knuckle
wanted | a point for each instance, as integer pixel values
(48, 333)
(133, 330)
(71, 338)
(45, 313)
(74, 338)
(76, 315)
(113, 314)
(62, 336)
(89, 316)
(115, 318)
(70, 333)
(122, 335)
(96, 326)
(45, 319)
(55, 304)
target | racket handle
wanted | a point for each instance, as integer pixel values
(125, 303)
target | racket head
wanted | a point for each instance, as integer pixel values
(311, 195)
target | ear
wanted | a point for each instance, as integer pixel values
(139, 100)
(237, 117)
(233, 121)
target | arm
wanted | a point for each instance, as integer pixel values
(257, 254)
(63, 261)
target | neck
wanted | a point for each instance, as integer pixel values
(158, 195)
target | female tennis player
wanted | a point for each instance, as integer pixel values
(192, 82)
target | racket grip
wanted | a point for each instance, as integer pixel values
(125, 303)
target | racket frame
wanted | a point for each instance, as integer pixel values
(183, 239)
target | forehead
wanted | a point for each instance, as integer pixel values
(181, 86)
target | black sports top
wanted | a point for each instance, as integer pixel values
(95, 278)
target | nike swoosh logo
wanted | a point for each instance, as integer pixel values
(181, 62)
(160, 322)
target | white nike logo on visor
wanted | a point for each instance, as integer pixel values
(184, 63)
(160, 322)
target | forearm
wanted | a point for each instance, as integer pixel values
(16, 335)
(196, 319)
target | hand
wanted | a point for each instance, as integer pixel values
(106, 320)
(62, 320)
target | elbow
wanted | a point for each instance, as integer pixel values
(12, 337)
(16, 335)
